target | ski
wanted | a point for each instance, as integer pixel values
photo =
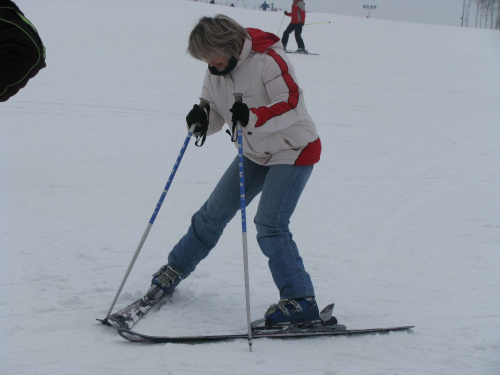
(139, 337)
(127, 317)
(327, 325)
(303, 53)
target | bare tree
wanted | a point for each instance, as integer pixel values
(492, 10)
(466, 12)
(487, 10)
(497, 24)
(478, 6)
(489, 6)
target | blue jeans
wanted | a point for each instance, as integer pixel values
(281, 187)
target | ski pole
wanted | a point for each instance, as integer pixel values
(281, 24)
(239, 98)
(203, 103)
(316, 23)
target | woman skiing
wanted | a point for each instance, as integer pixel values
(280, 144)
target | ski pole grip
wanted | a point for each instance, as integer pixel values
(239, 98)
(203, 103)
(236, 125)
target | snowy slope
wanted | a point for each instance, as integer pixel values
(399, 224)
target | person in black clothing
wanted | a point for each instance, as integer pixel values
(264, 6)
(22, 53)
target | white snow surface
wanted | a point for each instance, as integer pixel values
(399, 224)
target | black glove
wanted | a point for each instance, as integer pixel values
(241, 113)
(286, 13)
(199, 117)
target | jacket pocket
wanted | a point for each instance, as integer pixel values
(286, 142)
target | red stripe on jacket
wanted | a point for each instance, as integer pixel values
(310, 154)
(264, 114)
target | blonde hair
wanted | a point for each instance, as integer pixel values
(216, 36)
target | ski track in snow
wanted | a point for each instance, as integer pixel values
(399, 224)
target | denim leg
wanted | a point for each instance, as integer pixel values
(208, 223)
(280, 194)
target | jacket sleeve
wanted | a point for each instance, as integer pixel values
(284, 93)
(216, 122)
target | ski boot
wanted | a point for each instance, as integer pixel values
(299, 315)
(164, 282)
(292, 311)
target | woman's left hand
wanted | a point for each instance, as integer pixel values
(240, 113)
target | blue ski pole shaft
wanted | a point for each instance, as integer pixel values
(238, 98)
(155, 213)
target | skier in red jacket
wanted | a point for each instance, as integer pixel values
(298, 15)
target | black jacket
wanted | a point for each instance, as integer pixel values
(22, 53)
(9, 4)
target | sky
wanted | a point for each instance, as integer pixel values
(441, 12)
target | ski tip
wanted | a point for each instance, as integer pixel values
(131, 336)
(326, 314)
(328, 308)
(110, 322)
(258, 323)
(118, 321)
(406, 327)
(395, 329)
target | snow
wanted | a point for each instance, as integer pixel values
(399, 224)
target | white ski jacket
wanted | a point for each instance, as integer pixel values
(280, 131)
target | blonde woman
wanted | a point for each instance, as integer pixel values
(280, 144)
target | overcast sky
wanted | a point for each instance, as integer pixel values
(441, 12)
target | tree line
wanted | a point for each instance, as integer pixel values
(481, 14)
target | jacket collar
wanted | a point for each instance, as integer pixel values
(245, 52)
(260, 41)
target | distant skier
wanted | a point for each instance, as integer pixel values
(264, 6)
(298, 15)
(281, 146)
(22, 54)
